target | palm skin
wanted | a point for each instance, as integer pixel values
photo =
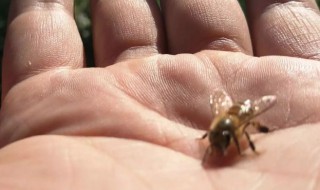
(149, 115)
(135, 124)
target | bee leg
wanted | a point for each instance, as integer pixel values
(253, 148)
(263, 129)
(236, 141)
(259, 127)
(204, 136)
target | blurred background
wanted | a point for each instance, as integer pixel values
(82, 16)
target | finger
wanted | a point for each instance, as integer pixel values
(42, 35)
(125, 29)
(194, 25)
(290, 28)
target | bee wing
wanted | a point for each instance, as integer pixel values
(263, 104)
(220, 102)
(259, 106)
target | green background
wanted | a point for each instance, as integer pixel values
(82, 18)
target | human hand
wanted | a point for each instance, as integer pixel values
(132, 122)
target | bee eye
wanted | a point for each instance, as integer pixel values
(226, 139)
(225, 133)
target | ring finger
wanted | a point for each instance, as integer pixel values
(195, 25)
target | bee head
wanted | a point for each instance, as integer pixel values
(220, 137)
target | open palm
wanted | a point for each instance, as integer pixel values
(133, 121)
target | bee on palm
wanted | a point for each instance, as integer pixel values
(231, 121)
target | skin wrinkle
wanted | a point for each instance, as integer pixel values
(220, 42)
(37, 65)
(183, 85)
(20, 126)
(234, 76)
(23, 159)
(168, 170)
(206, 60)
(211, 181)
(266, 172)
(164, 139)
(126, 37)
(294, 9)
(157, 74)
(209, 19)
(288, 110)
(214, 176)
(56, 131)
(273, 28)
(294, 39)
(279, 168)
(219, 178)
(123, 165)
(160, 74)
(185, 141)
(115, 161)
(314, 56)
(227, 44)
(304, 119)
(314, 181)
(40, 5)
(7, 135)
(259, 182)
(69, 168)
(291, 3)
(207, 73)
(147, 171)
(238, 73)
(58, 81)
(304, 25)
(186, 120)
(294, 72)
(123, 86)
(23, 128)
(165, 170)
(298, 73)
(16, 126)
(137, 52)
(51, 3)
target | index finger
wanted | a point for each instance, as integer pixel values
(41, 36)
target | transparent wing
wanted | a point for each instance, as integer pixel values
(258, 106)
(220, 102)
(263, 104)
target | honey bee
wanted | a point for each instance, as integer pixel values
(232, 119)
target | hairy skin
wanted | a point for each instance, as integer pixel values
(133, 121)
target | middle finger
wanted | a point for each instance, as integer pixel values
(126, 29)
